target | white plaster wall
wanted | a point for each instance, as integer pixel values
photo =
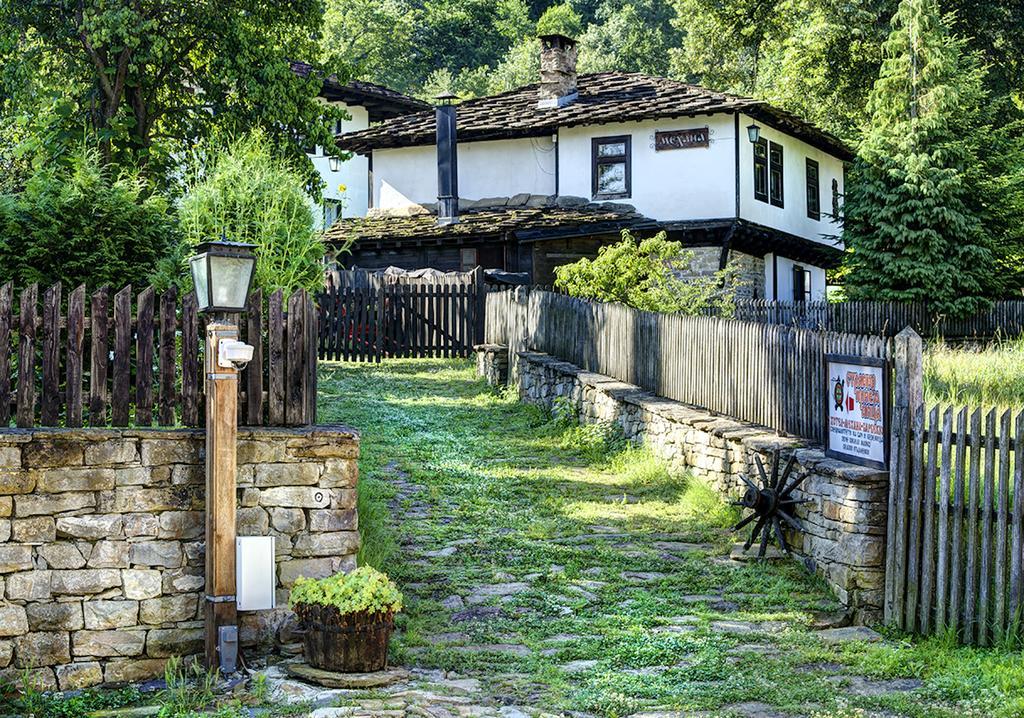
(352, 175)
(497, 168)
(785, 287)
(694, 183)
(793, 217)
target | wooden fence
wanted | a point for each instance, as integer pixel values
(771, 375)
(125, 359)
(1005, 318)
(373, 279)
(401, 320)
(955, 538)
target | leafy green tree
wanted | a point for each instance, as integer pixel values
(630, 36)
(149, 78)
(560, 20)
(916, 200)
(647, 274)
(84, 222)
(247, 193)
(373, 38)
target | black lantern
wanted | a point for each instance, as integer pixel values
(754, 133)
(334, 163)
(222, 272)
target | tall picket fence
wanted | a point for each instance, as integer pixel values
(955, 542)
(135, 359)
(1005, 318)
(772, 375)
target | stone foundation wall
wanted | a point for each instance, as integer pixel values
(749, 275)
(102, 542)
(492, 363)
(845, 521)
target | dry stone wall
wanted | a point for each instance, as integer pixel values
(102, 542)
(844, 522)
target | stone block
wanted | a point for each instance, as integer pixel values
(310, 449)
(287, 520)
(169, 609)
(301, 497)
(133, 671)
(114, 451)
(167, 642)
(15, 558)
(29, 586)
(132, 499)
(6, 653)
(16, 481)
(55, 481)
(13, 621)
(340, 473)
(252, 521)
(260, 452)
(6, 506)
(250, 497)
(39, 529)
(54, 616)
(159, 452)
(136, 525)
(94, 526)
(157, 553)
(76, 676)
(104, 615)
(10, 456)
(181, 525)
(295, 474)
(50, 504)
(108, 644)
(188, 474)
(195, 552)
(326, 544)
(62, 554)
(44, 648)
(44, 453)
(85, 581)
(290, 571)
(183, 580)
(135, 476)
(343, 498)
(333, 520)
(41, 679)
(141, 583)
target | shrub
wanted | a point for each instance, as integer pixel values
(647, 275)
(246, 193)
(84, 222)
(364, 590)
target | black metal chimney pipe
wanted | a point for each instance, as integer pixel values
(447, 162)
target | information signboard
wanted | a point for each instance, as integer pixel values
(857, 412)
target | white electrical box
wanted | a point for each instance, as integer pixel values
(256, 572)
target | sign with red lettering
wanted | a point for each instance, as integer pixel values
(682, 139)
(857, 410)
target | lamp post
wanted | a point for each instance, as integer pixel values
(222, 273)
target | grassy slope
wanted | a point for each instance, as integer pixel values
(446, 461)
(993, 376)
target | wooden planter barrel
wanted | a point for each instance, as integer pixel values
(345, 643)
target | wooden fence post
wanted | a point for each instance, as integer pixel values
(908, 403)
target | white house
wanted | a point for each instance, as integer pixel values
(547, 173)
(347, 183)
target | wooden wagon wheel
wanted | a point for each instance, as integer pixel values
(770, 502)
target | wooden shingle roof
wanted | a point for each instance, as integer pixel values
(604, 97)
(481, 222)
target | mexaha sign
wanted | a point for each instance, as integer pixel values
(858, 410)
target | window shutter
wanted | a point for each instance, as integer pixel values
(798, 284)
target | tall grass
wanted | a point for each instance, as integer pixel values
(991, 375)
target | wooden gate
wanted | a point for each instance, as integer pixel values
(401, 320)
(955, 541)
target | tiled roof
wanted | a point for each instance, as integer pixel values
(603, 97)
(524, 214)
(382, 102)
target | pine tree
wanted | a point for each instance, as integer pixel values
(916, 196)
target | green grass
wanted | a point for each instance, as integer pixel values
(992, 375)
(532, 498)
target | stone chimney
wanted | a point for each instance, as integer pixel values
(557, 71)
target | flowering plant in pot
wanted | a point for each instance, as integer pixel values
(347, 619)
